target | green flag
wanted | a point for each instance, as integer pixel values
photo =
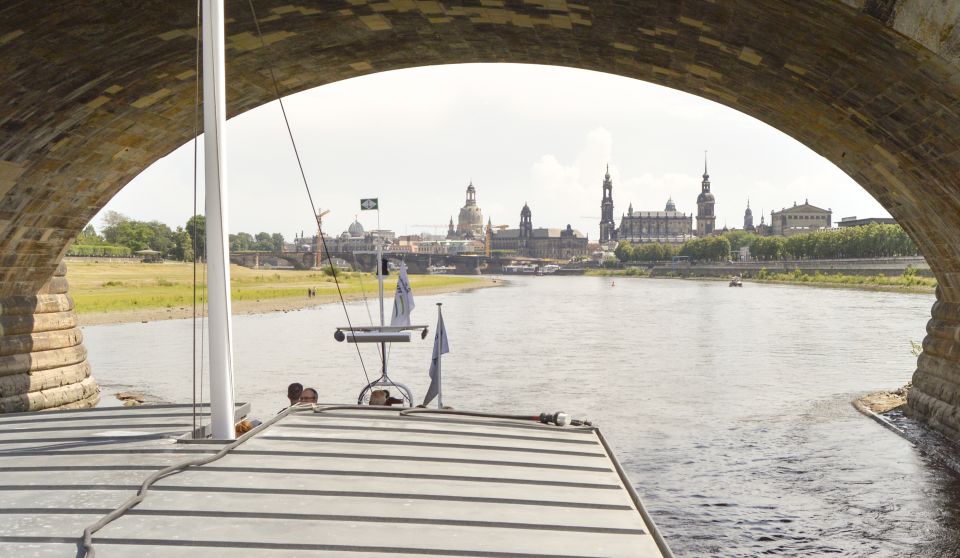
(369, 203)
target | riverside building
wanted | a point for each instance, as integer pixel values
(667, 227)
(558, 244)
(799, 219)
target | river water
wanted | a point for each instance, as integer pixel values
(729, 408)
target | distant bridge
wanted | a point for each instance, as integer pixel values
(416, 263)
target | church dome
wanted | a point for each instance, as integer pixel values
(525, 211)
(705, 197)
(470, 219)
(355, 228)
(670, 205)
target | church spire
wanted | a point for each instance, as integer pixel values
(706, 175)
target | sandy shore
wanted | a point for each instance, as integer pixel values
(246, 307)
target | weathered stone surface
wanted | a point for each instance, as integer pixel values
(52, 321)
(95, 93)
(39, 304)
(935, 396)
(82, 394)
(19, 384)
(40, 341)
(43, 363)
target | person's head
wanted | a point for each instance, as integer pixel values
(294, 391)
(243, 427)
(309, 395)
(378, 397)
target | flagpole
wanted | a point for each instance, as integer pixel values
(439, 356)
(380, 270)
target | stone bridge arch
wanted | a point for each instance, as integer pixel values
(96, 92)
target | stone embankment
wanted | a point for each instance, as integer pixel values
(43, 363)
(890, 410)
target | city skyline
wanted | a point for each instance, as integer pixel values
(440, 128)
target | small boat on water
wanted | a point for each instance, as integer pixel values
(441, 269)
(520, 269)
(736, 281)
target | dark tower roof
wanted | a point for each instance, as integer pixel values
(705, 195)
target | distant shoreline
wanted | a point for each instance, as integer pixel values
(249, 307)
(822, 282)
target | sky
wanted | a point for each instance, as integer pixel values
(540, 135)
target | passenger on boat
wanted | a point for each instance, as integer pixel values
(243, 427)
(309, 395)
(379, 397)
(294, 391)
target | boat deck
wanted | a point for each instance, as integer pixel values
(361, 481)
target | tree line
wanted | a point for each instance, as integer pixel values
(869, 241)
(122, 236)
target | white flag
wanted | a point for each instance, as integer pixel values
(440, 347)
(402, 300)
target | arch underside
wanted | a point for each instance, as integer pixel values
(95, 95)
(97, 92)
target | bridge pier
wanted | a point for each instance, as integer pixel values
(43, 363)
(935, 396)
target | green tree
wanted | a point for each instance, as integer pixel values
(277, 240)
(182, 246)
(89, 237)
(197, 229)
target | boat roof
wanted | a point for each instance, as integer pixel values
(345, 481)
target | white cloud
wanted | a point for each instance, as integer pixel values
(539, 134)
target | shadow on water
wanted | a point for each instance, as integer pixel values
(729, 408)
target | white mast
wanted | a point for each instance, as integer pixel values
(218, 264)
(380, 272)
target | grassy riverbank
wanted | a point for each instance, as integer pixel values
(629, 272)
(907, 282)
(135, 291)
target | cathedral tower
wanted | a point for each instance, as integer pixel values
(608, 229)
(748, 218)
(706, 219)
(526, 223)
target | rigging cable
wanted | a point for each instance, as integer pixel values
(303, 175)
(193, 234)
(363, 294)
